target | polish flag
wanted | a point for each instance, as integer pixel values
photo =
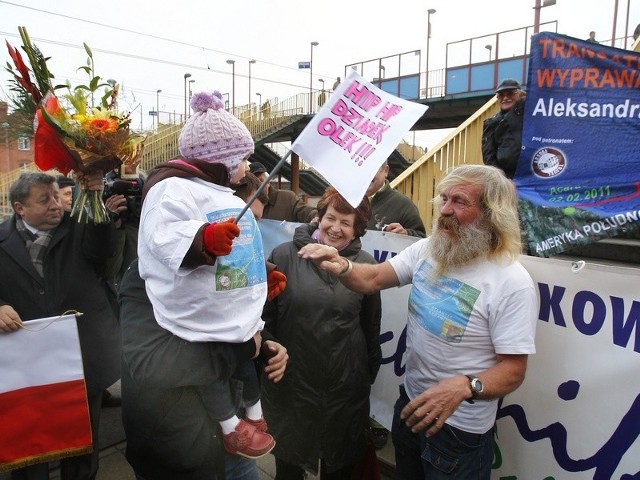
(43, 400)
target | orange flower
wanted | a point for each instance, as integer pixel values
(99, 127)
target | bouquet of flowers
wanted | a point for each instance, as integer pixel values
(71, 133)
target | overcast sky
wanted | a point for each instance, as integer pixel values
(149, 45)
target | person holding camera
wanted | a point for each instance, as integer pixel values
(391, 211)
(123, 200)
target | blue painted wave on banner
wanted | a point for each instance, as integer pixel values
(578, 178)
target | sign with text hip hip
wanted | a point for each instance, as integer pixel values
(354, 133)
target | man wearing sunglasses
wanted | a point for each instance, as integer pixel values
(502, 133)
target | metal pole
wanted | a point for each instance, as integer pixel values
(489, 47)
(626, 23)
(313, 44)
(536, 17)
(192, 81)
(426, 81)
(233, 85)
(158, 105)
(186, 75)
(259, 95)
(263, 185)
(615, 23)
(249, 101)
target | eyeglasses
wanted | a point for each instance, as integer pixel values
(507, 93)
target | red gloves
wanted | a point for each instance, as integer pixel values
(276, 283)
(218, 237)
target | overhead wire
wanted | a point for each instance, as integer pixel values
(156, 37)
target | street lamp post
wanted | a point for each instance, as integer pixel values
(313, 44)
(251, 62)
(233, 85)
(186, 75)
(626, 26)
(430, 12)
(489, 47)
(615, 23)
(158, 106)
(321, 80)
(191, 82)
(536, 18)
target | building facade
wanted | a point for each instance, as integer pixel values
(16, 149)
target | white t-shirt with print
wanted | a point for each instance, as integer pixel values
(222, 302)
(458, 322)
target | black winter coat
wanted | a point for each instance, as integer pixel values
(502, 139)
(170, 435)
(391, 206)
(320, 409)
(75, 255)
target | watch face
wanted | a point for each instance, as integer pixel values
(476, 385)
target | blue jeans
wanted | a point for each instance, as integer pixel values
(235, 468)
(449, 454)
(240, 468)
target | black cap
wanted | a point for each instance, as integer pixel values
(65, 181)
(508, 84)
(257, 168)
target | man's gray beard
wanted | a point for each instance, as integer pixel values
(457, 248)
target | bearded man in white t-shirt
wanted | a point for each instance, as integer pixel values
(470, 327)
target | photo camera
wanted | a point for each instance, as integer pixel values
(119, 186)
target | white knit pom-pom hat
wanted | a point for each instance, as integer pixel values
(214, 135)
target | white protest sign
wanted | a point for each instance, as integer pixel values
(354, 133)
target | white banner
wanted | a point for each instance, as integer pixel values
(577, 415)
(26, 359)
(354, 133)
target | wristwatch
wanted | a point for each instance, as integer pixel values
(476, 387)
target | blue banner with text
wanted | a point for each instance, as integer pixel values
(578, 177)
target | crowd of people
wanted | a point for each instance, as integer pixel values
(225, 355)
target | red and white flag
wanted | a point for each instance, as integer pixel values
(44, 413)
(354, 133)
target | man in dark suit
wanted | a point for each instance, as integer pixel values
(50, 264)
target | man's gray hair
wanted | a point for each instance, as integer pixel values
(19, 191)
(499, 203)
